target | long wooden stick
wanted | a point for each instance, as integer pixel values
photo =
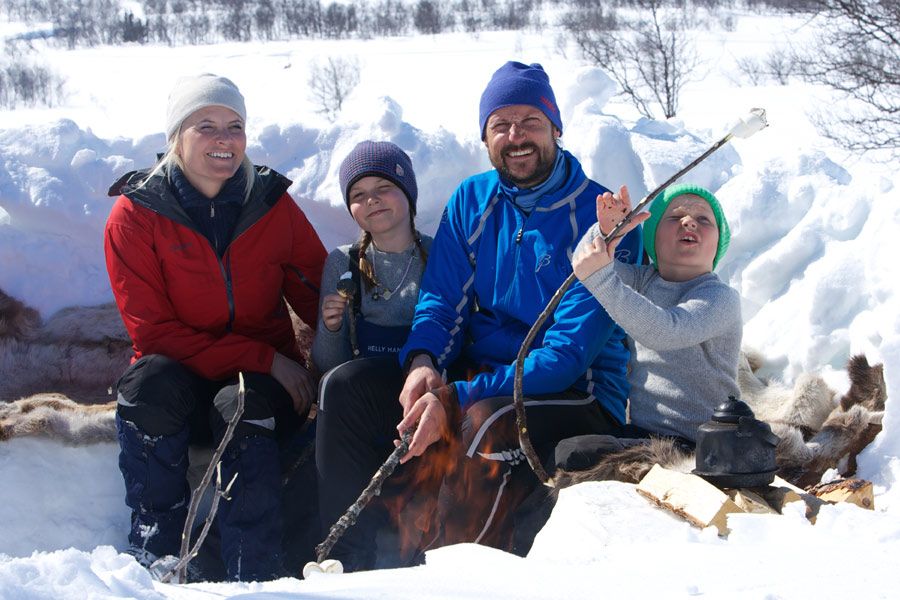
(179, 571)
(372, 490)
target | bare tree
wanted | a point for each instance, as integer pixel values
(389, 17)
(133, 29)
(468, 16)
(651, 58)
(331, 82)
(857, 53)
(301, 17)
(779, 65)
(264, 16)
(235, 25)
(339, 20)
(428, 17)
(196, 28)
(511, 14)
(24, 84)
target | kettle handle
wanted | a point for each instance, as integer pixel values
(749, 426)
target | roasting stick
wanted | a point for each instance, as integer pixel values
(321, 565)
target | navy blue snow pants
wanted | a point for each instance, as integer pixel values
(162, 408)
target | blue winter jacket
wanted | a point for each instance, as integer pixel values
(491, 272)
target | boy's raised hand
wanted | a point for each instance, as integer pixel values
(611, 209)
(590, 258)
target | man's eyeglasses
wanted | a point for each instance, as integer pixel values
(528, 125)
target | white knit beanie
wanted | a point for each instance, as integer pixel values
(199, 91)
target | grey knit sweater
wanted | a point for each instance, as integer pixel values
(331, 348)
(684, 338)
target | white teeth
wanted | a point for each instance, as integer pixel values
(517, 153)
(221, 154)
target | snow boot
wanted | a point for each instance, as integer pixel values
(156, 489)
(250, 519)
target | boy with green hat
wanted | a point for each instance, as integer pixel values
(683, 322)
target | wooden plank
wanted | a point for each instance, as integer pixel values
(751, 502)
(688, 496)
(782, 492)
(854, 491)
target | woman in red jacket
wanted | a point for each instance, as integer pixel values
(204, 252)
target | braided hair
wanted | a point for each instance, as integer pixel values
(366, 271)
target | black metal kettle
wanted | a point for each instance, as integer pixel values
(734, 449)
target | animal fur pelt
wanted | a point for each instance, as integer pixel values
(805, 406)
(16, 319)
(79, 352)
(843, 436)
(54, 415)
(867, 386)
(631, 464)
(817, 432)
(56, 370)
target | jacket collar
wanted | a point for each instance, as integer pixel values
(527, 198)
(156, 194)
(573, 181)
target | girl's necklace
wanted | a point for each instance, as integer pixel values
(382, 291)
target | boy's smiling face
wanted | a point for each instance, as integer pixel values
(687, 239)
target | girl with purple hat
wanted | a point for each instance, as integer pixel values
(383, 268)
(370, 323)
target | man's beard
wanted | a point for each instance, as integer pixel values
(538, 175)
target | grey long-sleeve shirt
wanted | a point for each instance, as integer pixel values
(684, 337)
(331, 348)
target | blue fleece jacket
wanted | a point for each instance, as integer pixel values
(491, 272)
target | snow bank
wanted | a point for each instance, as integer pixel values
(55, 497)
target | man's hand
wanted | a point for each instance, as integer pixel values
(297, 380)
(421, 378)
(333, 306)
(428, 418)
(422, 410)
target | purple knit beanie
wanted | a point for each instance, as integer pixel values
(379, 159)
(518, 83)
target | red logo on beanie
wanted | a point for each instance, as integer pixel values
(548, 104)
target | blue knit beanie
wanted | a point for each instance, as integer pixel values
(661, 203)
(518, 83)
(379, 159)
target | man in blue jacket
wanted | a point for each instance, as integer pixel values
(502, 249)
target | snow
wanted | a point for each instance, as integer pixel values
(814, 256)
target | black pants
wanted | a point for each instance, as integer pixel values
(161, 396)
(483, 479)
(356, 426)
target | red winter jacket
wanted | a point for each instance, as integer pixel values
(216, 316)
